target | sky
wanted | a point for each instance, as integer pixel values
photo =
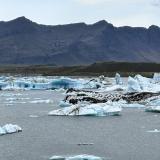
(53, 12)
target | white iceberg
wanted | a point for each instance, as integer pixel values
(76, 157)
(118, 79)
(153, 109)
(133, 85)
(156, 77)
(100, 109)
(142, 84)
(154, 131)
(9, 128)
(153, 104)
(41, 101)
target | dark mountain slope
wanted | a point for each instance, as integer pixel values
(25, 42)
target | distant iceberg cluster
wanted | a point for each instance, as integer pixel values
(98, 96)
(45, 83)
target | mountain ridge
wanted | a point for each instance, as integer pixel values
(25, 42)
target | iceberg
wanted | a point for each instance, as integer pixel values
(9, 128)
(45, 83)
(142, 84)
(156, 77)
(133, 85)
(41, 101)
(153, 109)
(154, 131)
(100, 109)
(76, 157)
(118, 79)
(2, 85)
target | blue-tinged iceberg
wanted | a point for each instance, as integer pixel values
(153, 105)
(44, 83)
(3, 85)
(142, 84)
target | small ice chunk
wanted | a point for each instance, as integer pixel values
(10, 128)
(153, 109)
(154, 131)
(156, 77)
(41, 101)
(33, 116)
(2, 131)
(118, 79)
(77, 157)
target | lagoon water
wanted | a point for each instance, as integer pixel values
(124, 137)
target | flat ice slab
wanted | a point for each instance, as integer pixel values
(154, 131)
(77, 157)
(100, 109)
(153, 109)
(9, 128)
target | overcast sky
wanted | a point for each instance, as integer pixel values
(53, 12)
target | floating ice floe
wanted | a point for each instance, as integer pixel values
(9, 128)
(33, 116)
(153, 109)
(100, 109)
(76, 157)
(153, 105)
(41, 101)
(154, 131)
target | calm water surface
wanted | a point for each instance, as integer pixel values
(123, 137)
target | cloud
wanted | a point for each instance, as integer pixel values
(95, 2)
(92, 2)
(156, 3)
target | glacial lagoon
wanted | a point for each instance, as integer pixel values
(133, 134)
